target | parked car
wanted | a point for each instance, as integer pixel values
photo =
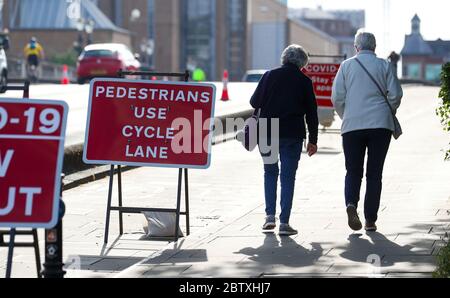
(105, 60)
(254, 76)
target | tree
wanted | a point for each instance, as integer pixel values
(444, 109)
(443, 112)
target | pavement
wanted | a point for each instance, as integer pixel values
(227, 211)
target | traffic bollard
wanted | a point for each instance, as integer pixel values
(53, 266)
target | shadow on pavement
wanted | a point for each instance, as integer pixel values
(284, 251)
(99, 264)
(367, 251)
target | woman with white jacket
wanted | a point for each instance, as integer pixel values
(367, 124)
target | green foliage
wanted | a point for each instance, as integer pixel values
(444, 109)
(70, 58)
(443, 260)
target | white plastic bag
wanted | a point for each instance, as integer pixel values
(161, 224)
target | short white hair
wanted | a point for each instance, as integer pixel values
(295, 54)
(365, 41)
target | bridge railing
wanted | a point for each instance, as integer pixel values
(47, 72)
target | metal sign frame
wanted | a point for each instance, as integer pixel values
(182, 173)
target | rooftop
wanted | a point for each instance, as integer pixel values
(54, 14)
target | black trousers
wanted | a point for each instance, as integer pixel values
(376, 143)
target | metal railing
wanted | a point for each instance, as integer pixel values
(47, 72)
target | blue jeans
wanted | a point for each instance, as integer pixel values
(376, 142)
(289, 152)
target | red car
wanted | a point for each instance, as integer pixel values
(105, 60)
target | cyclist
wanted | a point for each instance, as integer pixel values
(34, 52)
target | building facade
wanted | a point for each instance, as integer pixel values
(268, 35)
(314, 41)
(58, 25)
(342, 25)
(132, 16)
(172, 35)
(422, 59)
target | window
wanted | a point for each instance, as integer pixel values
(414, 71)
(433, 72)
(98, 53)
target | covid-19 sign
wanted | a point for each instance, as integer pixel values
(322, 76)
(31, 157)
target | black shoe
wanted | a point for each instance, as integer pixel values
(371, 227)
(287, 230)
(353, 219)
(270, 224)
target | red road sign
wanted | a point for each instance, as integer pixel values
(31, 157)
(148, 123)
(322, 75)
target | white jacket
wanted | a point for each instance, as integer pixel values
(357, 99)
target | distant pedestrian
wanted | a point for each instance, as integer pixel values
(367, 124)
(394, 58)
(199, 75)
(286, 94)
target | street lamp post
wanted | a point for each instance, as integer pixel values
(84, 26)
(147, 48)
(78, 45)
(89, 28)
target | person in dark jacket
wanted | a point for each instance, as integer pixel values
(285, 96)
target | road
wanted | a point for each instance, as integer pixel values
(77, 97)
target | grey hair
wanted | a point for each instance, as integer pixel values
(365, 41)
(296, 55)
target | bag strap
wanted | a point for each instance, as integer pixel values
(378, 85)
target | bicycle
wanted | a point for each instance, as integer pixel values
(32, 73)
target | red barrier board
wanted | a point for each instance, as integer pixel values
(31, 158)
(322, 75)
(150, 123)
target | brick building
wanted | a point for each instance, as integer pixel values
(56, 24)
(422, 59)
(170, 35)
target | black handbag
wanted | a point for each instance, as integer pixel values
(248, 136)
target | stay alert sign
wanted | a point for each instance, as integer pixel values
(31, 158)
(322, 76)
(150, 123)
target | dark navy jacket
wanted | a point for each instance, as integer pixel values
(288, 94)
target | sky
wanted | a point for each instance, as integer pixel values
(391, 28)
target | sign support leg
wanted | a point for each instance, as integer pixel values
(119, 181)
(12, 239)
(36, 253)
(108, 207)
(186, 196)
(177, 221)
